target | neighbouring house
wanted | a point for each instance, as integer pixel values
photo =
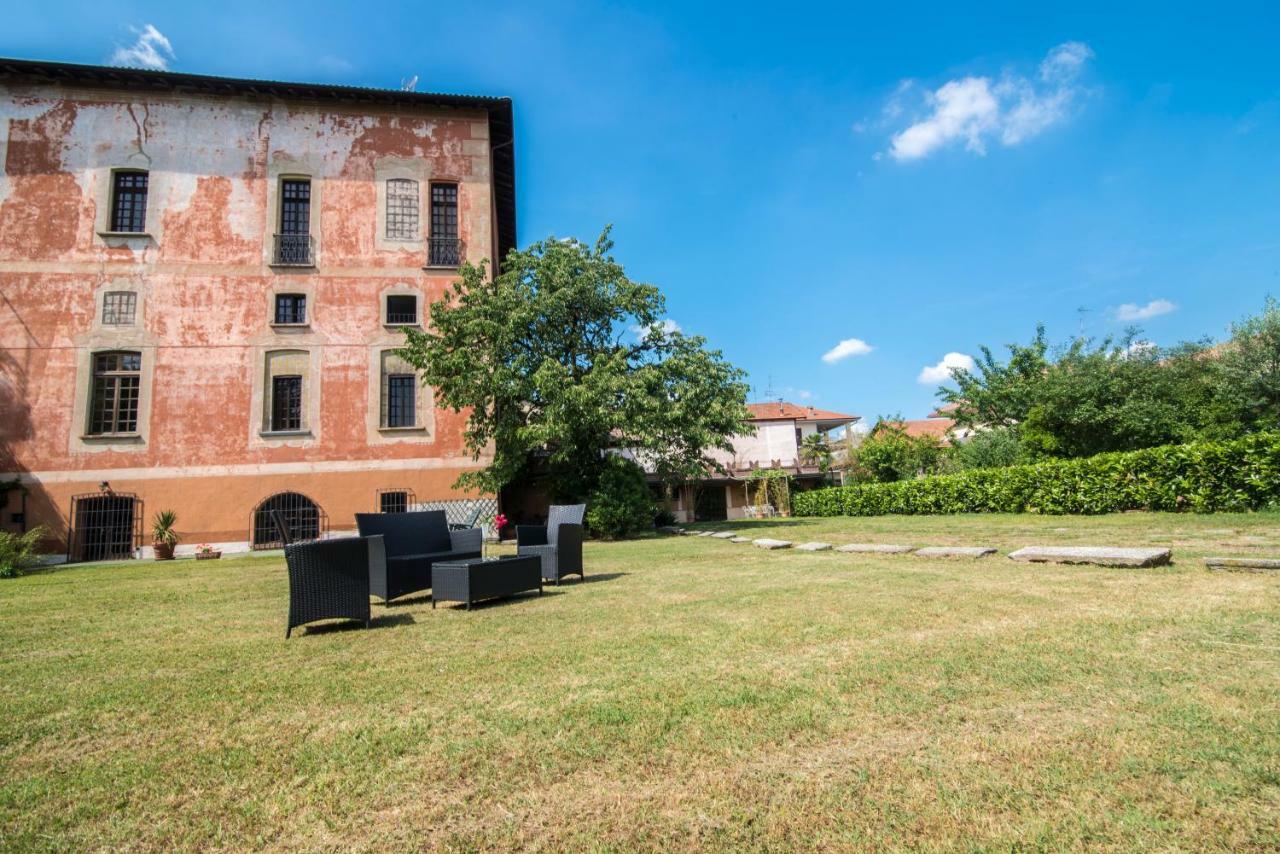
(939, 425)
(204, 282)
(778, 428)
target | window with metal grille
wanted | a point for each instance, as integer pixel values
(402, 209)
(393, 500)
(286, 403)
(291, 308)
(398, 401)
(402, 309)
(295, 206)
(129, 201)
(445, 248)
(305, 520)
(117, 380)
(119, 308)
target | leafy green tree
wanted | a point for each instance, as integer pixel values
(816, 451)
(999, 394)
(987, 449)
(1251, 369)
(545, 361)
(620, 506)
(888, 454)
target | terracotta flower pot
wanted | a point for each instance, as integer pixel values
(208, 555)
(163, 551)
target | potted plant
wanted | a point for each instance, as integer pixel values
(204, 551)
(163, 535)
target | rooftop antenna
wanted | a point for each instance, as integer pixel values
(769, 393)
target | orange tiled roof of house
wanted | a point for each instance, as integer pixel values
(944, 411)
(938, 428)
(782, 410)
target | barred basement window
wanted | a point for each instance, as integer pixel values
(398, 401)
(117, 381)
(402, 209)
(129, 201)
(119, 308)
(402, 309)
(286, 403)
(291, 309)
(394, 500)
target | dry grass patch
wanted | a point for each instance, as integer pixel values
(691, 693)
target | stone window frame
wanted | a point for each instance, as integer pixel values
(104, 202)
(387, 169)
(260, 433)
(117, 286)
(81, 439)
(100, 338)
(401, 289)
(280, 169)
(423, 430)
(286, 286)
(128, 299)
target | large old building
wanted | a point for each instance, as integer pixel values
(203, 283)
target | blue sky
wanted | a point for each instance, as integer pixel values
(913, 183)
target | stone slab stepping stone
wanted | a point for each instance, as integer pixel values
(1245, 564)
(724, 535)
(705, 533)
(740, 540)
(1097, 555)
(874, 548)
(954, 551)
(670, 529)
(766, 543)
(813, 547)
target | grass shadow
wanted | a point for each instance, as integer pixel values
(378, 621)
(486, 604)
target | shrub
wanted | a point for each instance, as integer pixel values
(1208, 477)
(621, 505)
(987, 449)
(18, 551)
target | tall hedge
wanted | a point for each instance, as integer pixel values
(1205, 477)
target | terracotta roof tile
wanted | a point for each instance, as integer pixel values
(782, 410)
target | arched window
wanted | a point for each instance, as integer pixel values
(305, 519)
(117, 382)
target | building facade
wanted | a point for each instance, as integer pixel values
(203, 283)
(777, 431)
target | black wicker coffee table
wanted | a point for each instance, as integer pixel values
(485, 578)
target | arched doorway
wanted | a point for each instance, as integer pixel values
(304, 517)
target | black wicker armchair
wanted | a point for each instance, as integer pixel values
(558, 543)
(329, 579)
(414, 541)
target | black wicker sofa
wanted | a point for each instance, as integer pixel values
(412, 542)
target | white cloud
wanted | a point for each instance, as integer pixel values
(962, 109)
(666, 326)
(846, 348)
(1132, 311)
(409, 84)
(150, 50)
(974, 109)
(941, 372)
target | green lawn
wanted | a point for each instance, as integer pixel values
(691, 693)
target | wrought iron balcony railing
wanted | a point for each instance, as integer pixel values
(445, 252)
(294, 250)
